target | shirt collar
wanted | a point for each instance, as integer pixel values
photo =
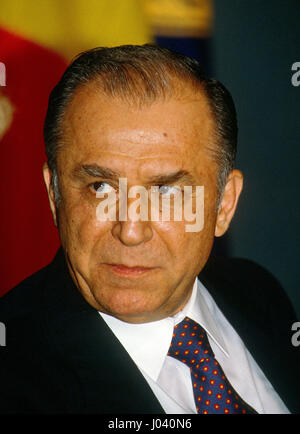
(148, 343)
(204, 311)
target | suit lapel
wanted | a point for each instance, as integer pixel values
(108, 379)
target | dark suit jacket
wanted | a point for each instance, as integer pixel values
(60, 356)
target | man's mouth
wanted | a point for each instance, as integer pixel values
(123, 270)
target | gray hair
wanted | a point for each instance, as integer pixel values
(141, 74)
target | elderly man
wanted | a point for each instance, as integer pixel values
(133, 315)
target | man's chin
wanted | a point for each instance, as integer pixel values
(136, 317)
(128, 305)
(132, 312)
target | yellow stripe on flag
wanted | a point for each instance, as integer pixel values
(71, 26)
(192, 18)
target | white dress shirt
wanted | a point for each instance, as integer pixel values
(170, 379)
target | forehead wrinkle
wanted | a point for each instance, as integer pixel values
(135, 157)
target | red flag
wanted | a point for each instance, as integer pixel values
(28, 237)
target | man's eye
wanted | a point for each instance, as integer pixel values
(101, 187)
(167, 190)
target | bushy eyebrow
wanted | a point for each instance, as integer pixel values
(171, 178)
(95, 171)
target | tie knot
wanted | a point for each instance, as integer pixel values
(189, 343)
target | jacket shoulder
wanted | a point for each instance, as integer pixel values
(250, 289)
(241, 270)
(33, 375)
(25, 297)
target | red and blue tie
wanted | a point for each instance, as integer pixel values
(213, 393)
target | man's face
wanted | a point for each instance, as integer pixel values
(137, 271)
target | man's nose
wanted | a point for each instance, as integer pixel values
(132, 233)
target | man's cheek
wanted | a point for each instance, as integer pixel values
(76, 219)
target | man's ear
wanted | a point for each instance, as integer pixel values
(47, 178)
(231, 194)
